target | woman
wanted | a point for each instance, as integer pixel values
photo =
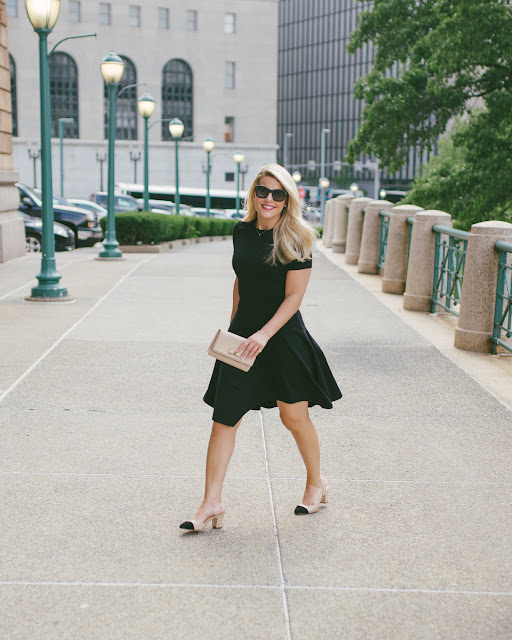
(272, 262)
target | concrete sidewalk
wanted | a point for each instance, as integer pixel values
(103, 437)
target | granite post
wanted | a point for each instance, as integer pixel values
(476, 315)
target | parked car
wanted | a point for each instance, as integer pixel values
(100, 211)
(84, 224)
(121, 202)
(164, 206)
(64, 237)
(214, 213)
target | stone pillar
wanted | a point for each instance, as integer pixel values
(395, 267)
(369, 250)
(476, 315)
(328, 224)
(340, 222)
(12, 229)
(355, 229)
(420, 273)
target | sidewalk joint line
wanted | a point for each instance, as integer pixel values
(276, 535)
(208, 585)
(66, 333)
(34, 280)
(261, 477)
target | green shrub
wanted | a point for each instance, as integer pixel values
(141, 227)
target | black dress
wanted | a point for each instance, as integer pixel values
(292, 366)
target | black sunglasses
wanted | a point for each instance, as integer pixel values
(277, 194)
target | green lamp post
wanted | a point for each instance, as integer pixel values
(208, 146)
(146, 106)
(238, 157)
(112, 68)
(43, 15)
(176, 128)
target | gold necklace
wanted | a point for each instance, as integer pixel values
(260, 232)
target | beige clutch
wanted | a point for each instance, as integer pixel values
(223, 348)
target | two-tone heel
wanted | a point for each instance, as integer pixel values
(306, 509)
(200, 525)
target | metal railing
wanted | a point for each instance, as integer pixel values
(449, 263)
(383, 241)
(503, 308)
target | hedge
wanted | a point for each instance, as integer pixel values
(142, 227)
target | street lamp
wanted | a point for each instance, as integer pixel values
(112, 68)
(296, 175)
(238, 157)
(324, 184)
(43, 15)
(176, 128)
(382, 194)
(354, 187)
(146, 106)
(62, 122)
(208, 146)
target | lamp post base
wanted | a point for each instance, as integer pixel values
(110, 251)
(49, 291)
(41, 299)
(110, 259)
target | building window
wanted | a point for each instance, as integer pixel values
(105, 17)
(163, 18)
(63, 93)
(229, 75)
(229, 23)
(12, 8)
(229, 176)
(229, 129)
(191, 20)
(177, 96)
(74, 11)
(14, 103)
(134, 15)
(126, 107)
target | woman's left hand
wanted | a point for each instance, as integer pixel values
(252, 346)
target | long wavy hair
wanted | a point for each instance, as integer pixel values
(293, 236)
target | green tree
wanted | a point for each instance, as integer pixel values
(435, 60)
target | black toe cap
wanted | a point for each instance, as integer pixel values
(187, 525)
(300, 510)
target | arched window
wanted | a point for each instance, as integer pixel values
(14, 104)
(64, 93)
(177, 96)
(126, 104)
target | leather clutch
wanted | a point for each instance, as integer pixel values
(224, 348)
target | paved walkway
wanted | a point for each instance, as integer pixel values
(103, 435)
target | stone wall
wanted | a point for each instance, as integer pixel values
(12, 232)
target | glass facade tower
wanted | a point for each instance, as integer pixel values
(316, 79)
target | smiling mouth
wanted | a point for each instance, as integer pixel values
(267, 207)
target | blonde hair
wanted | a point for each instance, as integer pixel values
(293, 236)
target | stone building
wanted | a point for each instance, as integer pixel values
(213, 64)
(12, 233)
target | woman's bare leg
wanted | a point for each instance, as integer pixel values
(295, 418)
(220, 449)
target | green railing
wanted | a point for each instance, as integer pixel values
(449, 262)
(503, 308)
(383, 241)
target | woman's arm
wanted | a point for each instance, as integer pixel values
(295, 288)
(236, 299)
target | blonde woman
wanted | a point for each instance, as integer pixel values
(272, 262)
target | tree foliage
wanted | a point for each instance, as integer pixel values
(435, 60)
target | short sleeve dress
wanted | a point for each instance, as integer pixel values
(291, 367)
